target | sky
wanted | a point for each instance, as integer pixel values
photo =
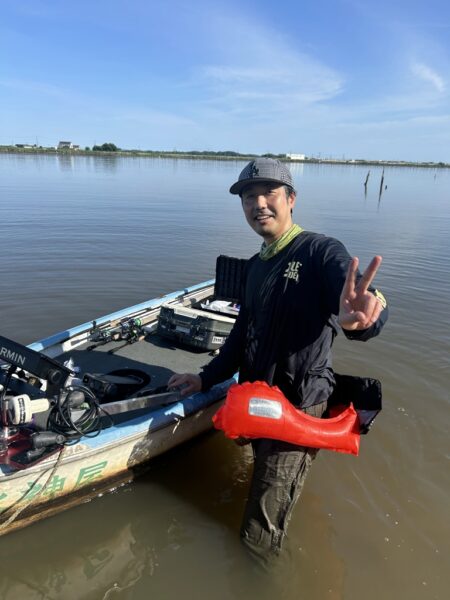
(347, 79)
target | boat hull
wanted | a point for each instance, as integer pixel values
(85, 472)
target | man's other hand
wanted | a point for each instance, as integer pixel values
(189, 383)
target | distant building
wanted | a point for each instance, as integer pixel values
(66, 145)
(296, 156)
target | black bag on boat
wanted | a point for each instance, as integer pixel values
(363, 392)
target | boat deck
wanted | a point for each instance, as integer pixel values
(156, 356)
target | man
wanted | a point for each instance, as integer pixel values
(297, 290)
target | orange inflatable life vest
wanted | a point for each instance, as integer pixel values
(257, 410)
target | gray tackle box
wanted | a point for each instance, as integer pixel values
(200, 325)
(193, 327)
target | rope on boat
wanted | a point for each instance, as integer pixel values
(15, 513)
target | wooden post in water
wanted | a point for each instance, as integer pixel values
(381, 185)
(365, 183)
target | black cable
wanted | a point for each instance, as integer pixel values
(87, 425)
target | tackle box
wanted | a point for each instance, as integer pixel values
(202, 325)
(194, 327)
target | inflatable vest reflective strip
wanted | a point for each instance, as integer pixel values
(257, 410)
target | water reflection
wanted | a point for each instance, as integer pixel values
(105, 164)
(297, 169)
(111, 559)
(189, 544)
(65, 162)
(108, 164)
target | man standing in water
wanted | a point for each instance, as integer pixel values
(297, 291)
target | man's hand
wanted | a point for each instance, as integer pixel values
(359, 308)
(188, 382)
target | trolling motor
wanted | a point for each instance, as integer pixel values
(24, 377)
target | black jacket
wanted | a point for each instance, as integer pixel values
(288, 321)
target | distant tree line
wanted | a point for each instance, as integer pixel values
(207, 152)
(108, 147)
(218, 153)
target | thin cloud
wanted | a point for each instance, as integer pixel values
(298, 82)
(38, 87)
(429, 75)
(262, 71)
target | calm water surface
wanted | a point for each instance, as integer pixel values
(81, 237)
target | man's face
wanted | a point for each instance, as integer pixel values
(267, 209)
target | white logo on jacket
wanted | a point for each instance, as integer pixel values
(292, 270)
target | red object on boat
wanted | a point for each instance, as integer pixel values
(257, 410)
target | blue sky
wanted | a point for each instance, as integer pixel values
(354, 78)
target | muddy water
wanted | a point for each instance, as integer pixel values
(81, 237)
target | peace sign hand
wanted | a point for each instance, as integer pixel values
(359, 308)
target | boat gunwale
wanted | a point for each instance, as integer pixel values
(153, 303)
(86, 451)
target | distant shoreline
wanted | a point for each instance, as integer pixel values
(218, 156)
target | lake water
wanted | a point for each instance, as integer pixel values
(82, 236)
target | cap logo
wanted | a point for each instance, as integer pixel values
(254, 170)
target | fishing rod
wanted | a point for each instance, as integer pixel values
(129, 330)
